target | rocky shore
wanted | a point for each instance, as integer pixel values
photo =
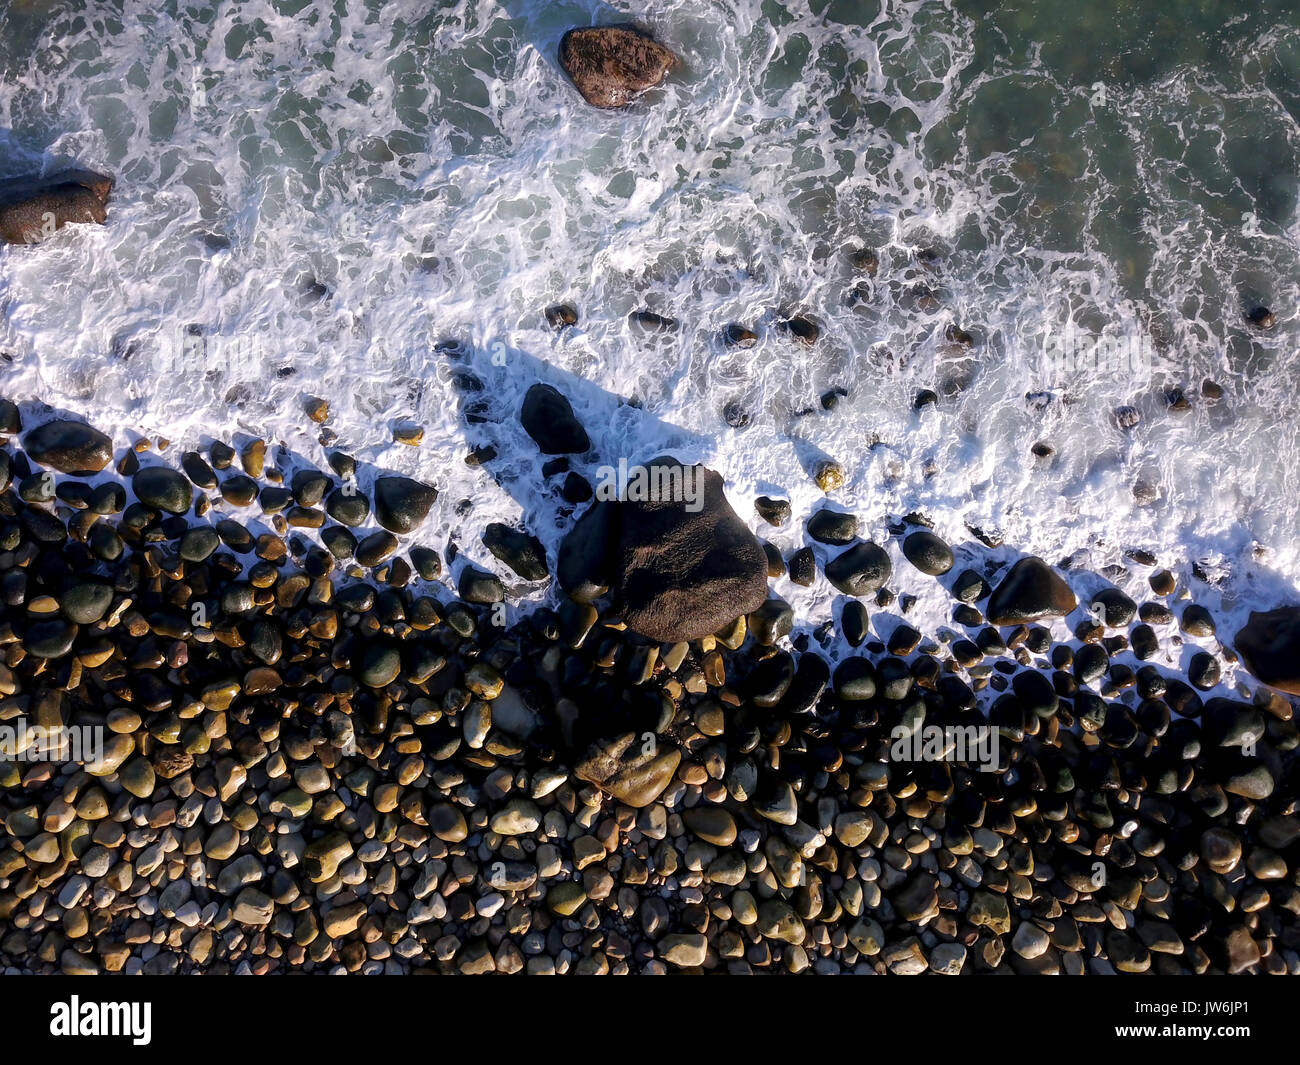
(300, 750)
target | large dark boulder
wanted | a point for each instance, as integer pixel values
(1030, 590)
(32, 208)
(1269, 645)
(612, 65)
(678, 572)
(585, 566)
(69, 447)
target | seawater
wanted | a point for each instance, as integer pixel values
(312, 195)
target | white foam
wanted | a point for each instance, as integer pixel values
(437, 174)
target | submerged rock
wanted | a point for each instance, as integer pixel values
(680, 573)
(612, 65)
(560, 315)
(548, 418)
(32, 208)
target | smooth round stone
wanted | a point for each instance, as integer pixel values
(239, 490)
(478, 586)
(261, 681)
(163, 489)
(484, 681)
(519, 550)
(1155, 614)
(565, 898)
(1197, 621)
(69, 447)
(375, 549)
(108, 499)
(1035, 693)
(309, 487)
(519, 817)
(447, 822)
(238, 599)
(198, 544)
(1256, 784)
(547, 416)
(137, 777)
(832, 527)
(50, 639)
(1114, 607)
(349, 508)
(42, 849)
(712, 824)
(685, 950)
(860, 570)
(947, 959)
(273, 499)
(427, 563)
(1203, 670)
(339, 542)
(829, 475)
(1162, 582)
(235, 536)
(710, 718)
(767, 682)
(1091, 663)
(401, 504)
(970, 587)
(86, 603)
(855, 680)
(855, 623)
(1030, 941)
(1266, 865)
(1221, 849)
(928, 553)
(1031, 590)
(198, 471)
(379, 666)
(1144, 641)
(104, 543)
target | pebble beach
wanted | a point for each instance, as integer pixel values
(313, 758)
(472, 616)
